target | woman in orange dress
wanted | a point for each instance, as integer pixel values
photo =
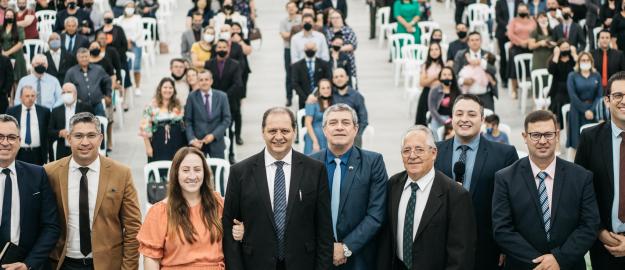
(184, 230)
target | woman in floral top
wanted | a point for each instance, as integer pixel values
(162, 127)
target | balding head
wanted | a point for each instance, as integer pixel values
(310, 46)
(28, 96)
(39, 59)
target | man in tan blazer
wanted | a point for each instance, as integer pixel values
(100, 215)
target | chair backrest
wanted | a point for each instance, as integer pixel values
(221, 171)
(397, 41)
(416, 52)
(300, 118)
(300, 136)
(488, 112)
(427, 27)
(45, 15)
(522, 62)
(154, 168)
(539, 83)
(595, 33)
(505, 128)
(149, 29)
(383, 15)
(521, 153)
(368, 137)
(104, 123)
(566, 108)
(33, 47)
(478, 14)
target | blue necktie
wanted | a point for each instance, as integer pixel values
(408, 226)
(71, 44)
(311, 75)
(336, 195)
(27, 139)
(279, 206)
(5, 227)
(544, 203)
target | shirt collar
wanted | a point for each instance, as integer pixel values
(344, 158)
(31, 107)
(11, 167)
(424, 182)
(550, 170)
(94, 166)
(473, 144)
(269, 159)
(616, 131)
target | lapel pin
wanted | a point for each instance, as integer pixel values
(351, 168)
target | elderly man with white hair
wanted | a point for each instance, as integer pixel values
(58, 129)
(45, 85)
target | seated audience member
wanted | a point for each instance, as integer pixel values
(300, 40)
(133, 30)
(71, 40)
(441, 99)
(518, 31)
(83, 20)
(33, 122)
(178, 68)
(58, 128)
(229, 15)
(192, 80)
(59, 60)
(47, 86)
(343, 93)
(492, 132)
(608, 61)
(93, 87)
(570, 30)
(339, 59)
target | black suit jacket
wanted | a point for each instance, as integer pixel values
(308, 232)
(517, 216)
(616, 61)
(576, 35)
(230, 81)
(66, 61)
(43, 118)
(6, 76)
(491, 157)
(299, 75)
(39, 227)
(57, 123)
(446, 237)
(341, 5)
(502, 17)
(80, 42)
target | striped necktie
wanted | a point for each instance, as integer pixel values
(544, 203)
(279, 206)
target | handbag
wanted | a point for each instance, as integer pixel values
(157, 191)
(255, 34)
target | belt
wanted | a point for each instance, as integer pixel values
(83, 261)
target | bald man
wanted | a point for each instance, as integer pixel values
(33, 120)
(59, 120)
(59, 61)
(307, 72)
(45, 85)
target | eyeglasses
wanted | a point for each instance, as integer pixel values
(418, 151)
(91, 136)
(616, 96)
(10, 138)
(535, 136)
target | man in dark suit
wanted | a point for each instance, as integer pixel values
(570, 30)
(602, 151)
(6, 82)
(71, 40)
(282, 198)
(59, 60)
(475, 169)
(430, 223)
(207, 116)
(475, 56)
(607, 60)
(34, 126)
(545, 214)
(357, 187)
(340, 5)
(29, 214)
(458, 44)
(58, 128)
(73, 10)
(503, 14)
(307, 72)
(227, 77)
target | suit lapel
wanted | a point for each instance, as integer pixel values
(22, 188)
(478, 165)
(297, 171)
(260, 177)
(19, 114)
(558, 185)
(530, 183)
(103, 182)
(396, 192)
(605, 141)
(63, 183)
(432, 205)
(352, 167)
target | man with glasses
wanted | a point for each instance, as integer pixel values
(429, 222)
(602, 151)
(29, 215)
(545, 214)
(472, 161)
(101, 216)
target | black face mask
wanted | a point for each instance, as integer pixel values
(21, 7)
(336, 47)
(177, 78)
(339, 86)
(325, 98)
(461, 34)
(108, 20)
(436, 40)
(94, 52)
(222, 54)
(552, 9)
(565, 53)
(40, 69)
(446, 82)
(310, 53)
(71, 5)
(228, 8)
(9, 20)
(566, 16)
(307, 26)
(523, 15)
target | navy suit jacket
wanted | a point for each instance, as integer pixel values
(43, 117)
(198, 124)
(362, 206)
(491, 157)
(39, 228)
(517, 216)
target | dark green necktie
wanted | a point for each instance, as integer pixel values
(408, 224)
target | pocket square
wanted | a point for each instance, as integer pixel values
(36, 193)
(113, 190)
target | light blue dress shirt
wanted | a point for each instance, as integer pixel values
(617, 225)
(470, 162)
(50, 90)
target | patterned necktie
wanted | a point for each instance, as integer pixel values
(621, 205)
(336, 195)
(408, 225)
(279, 206)
(460, 166)
(28, 138)
(311, 75)
(5, 227)
(83, 213)
(39, 91)
(544, 203)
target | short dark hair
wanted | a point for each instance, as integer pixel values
(336, 36)
(197, 13)
(307, 16)
(277, 110)
(85, 117)
(540, 116)
(619, 76)
(174, 60)
(474, 33)
(5, 118)
(470, 97)
(604, 31)
(492, 119)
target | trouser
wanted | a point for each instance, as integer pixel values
(77, 264)
(4, 102)
(235, 112)
(372, 12)
(280, 265)
(287, 67)
(503, 60)
(31, 155)
(459, 10)
(487, 100)
(601, 259)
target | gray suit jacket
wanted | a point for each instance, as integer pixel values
(187, 41)
(198, 124)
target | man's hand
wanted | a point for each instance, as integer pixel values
(209, 138)
(589, 115)
(618, 250)
(502, 260)
(468, 81)
(238, 230)
(546, 262)
(339, 254)
(15, 266)
(606, 238)
(149, 151)
(108, 101)
(63, 133)
(196, 143)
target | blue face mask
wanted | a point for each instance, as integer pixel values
(489, 130)
(55, 44)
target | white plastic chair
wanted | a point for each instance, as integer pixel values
(522, 63)
(427, 27)
(300, 136)
(220, 165)
(540, 88)
(31, 48)
(130, 97)
(45, 15)
(477, 16)
(45, 23)
(488, 112)
(521, 153)
(389, 30)
(397, 41)
(595, 32)
(104, 123)
(154, 168)
(163, 17)
(505, 128)
(368, 137)
(414, 56)
(149, 40)
(117, 104)
(382, 20)
(566, 108)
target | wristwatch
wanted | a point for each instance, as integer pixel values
(346, 252)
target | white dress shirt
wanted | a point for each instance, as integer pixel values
(270, 168)
(70, 110)
(73, 210)
(35, 141)
(15, 203)
(423, 193)
(56, 58)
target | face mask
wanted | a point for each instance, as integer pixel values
(336, 47)
(489, 130)
(208, 38)
(461, 34)
(565, 53)
(222, 54)
(585, 66)
(446, 82)
(68, 98)
(8, 20)
(566, 16)
(55, 44)
(325, 98)
(228, 8)
(310, 53)
(40, 69)
(523, 15)
(94, 52)
(436, 40)
(129, 11)
(71, 5)
(307, 26)
(225, 35)
(108, 20)
(21, 7)
(177, 78)
(552, 9)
